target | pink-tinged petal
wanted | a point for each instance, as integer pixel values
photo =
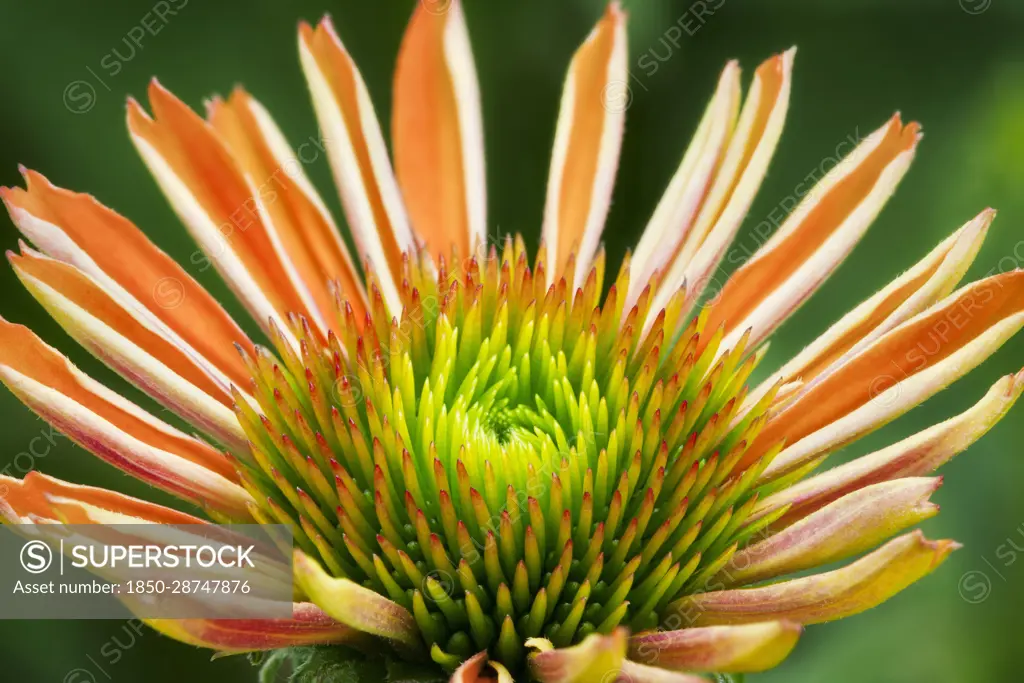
(597, 658)
(641, 673)
(725, 649)
(852, 524)
(78, 230)
(866, 583)
(931, 280)
(676, 214)
(736, 181)
(359, 608)
(41, 498)
(472, 670)
(359, 159)
(165, 470)
(23, 352)
(816, 237)
(221, 209)
(113, 428)
(915, 456)
(900, 370)
(309, 625)
(437, 132)
(129, 345)
(296, 218)
(588, 138)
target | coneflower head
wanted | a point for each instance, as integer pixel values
(507, 458)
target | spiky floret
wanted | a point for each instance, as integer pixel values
(508, 459)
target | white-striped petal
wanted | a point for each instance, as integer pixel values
(359, 159)
(588, 138)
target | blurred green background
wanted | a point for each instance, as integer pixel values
(957, 66)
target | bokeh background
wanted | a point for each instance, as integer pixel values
(957, 66)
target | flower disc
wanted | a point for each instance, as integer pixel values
(506, 458)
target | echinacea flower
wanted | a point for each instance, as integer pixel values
(498, 468)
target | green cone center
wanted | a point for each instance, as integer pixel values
(506, 461)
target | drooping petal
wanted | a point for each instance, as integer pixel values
(641, 673)
(128, 345)
(78, 230)
(736, 181)
(866, 583)
(677, 212)
(597, 658)
(726, 649)
(115, 430)
(309, 625)
(897, 372)
(931, 280)
(357, 607)
(222, 210)
(298, 218)
(41, 498)
(916, 455)
(852, 524)
(816, 237)
(588, 138)
(359, 159)
(437, 132)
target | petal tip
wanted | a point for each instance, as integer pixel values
(940, 549)
(327, 24)
(786, 59)
(977, 228)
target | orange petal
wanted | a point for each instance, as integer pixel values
(915, 456)
(736, 181)
(309, 625)
(21, 505)
(852, 524)
(866, 583)
(817, 236)
(931, 280)
(77, 229)
(129, 345)
(115, 430)
(677, 212)
(587, 143)
(39, 497)
(437, 132)
(222, 210)
(296, 216)
(25, 353)
(895, 373)
(726, 649)
(355, 147)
